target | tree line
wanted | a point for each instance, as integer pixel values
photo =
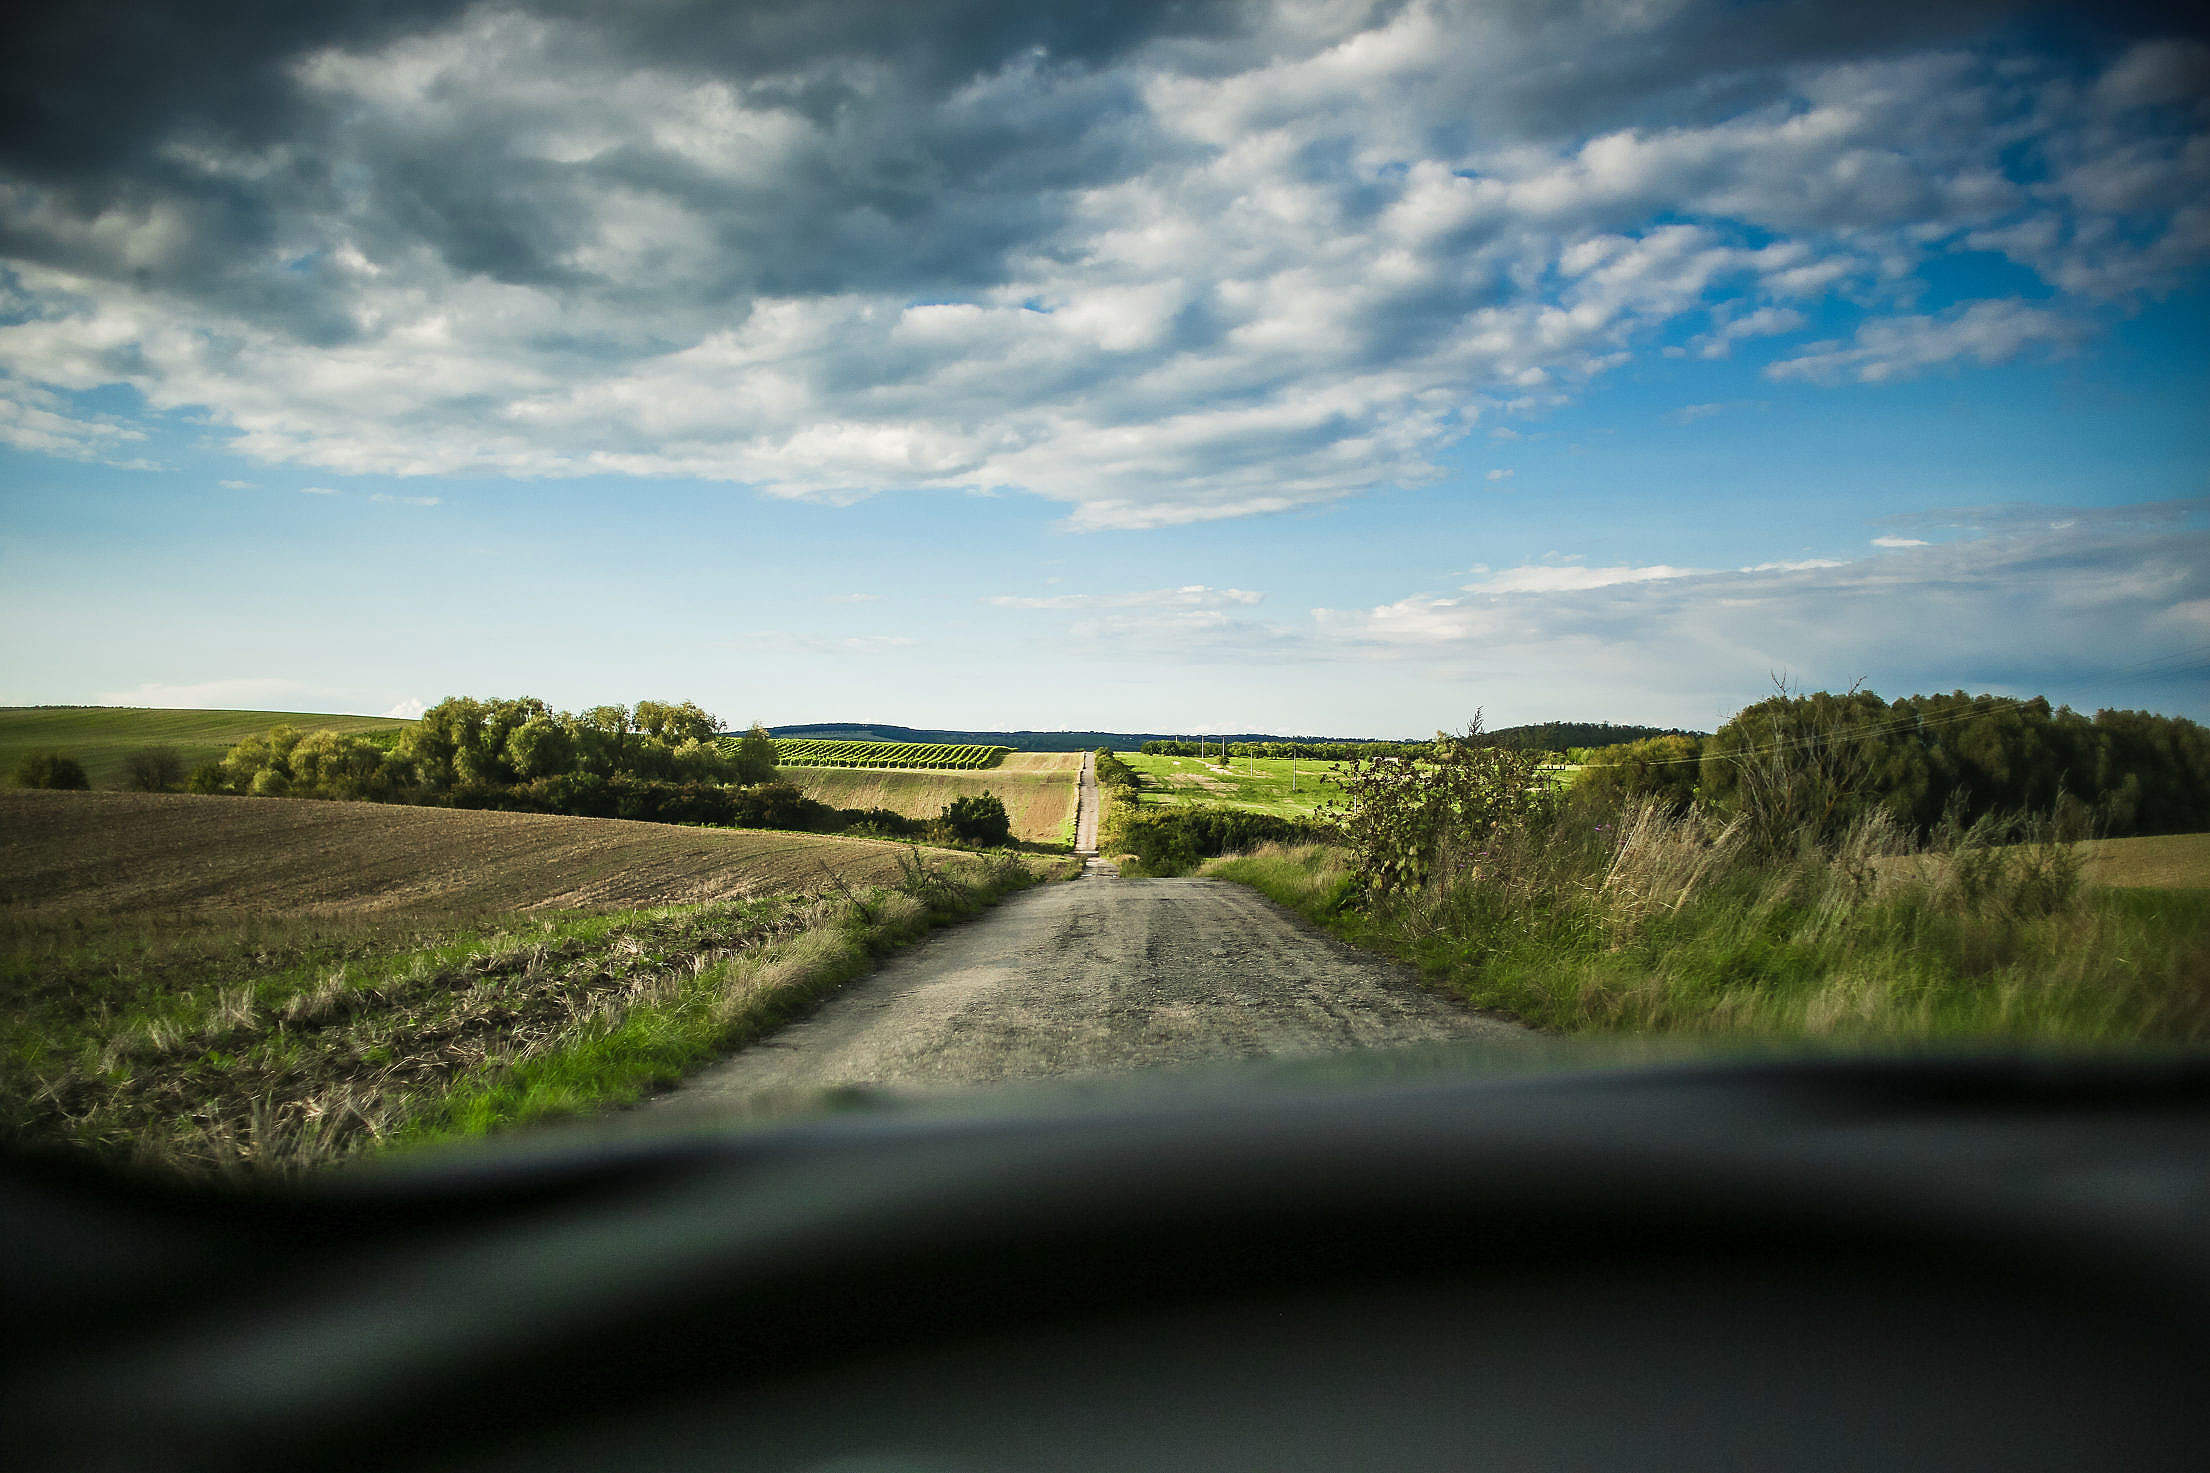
(1822, 760)
(658, 761)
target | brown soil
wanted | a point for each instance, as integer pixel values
(118, 855)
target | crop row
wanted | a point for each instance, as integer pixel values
(813, 752)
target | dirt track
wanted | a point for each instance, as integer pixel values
(1098, 976)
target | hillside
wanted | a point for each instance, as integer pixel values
(1553, 735)
(101, 736)
(1037, 788)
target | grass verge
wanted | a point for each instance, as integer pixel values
(1668, 936)
(285, 1050)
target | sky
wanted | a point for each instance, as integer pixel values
(1320, 366)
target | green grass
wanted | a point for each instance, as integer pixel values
(1260, 784)
(101, 736)
(1802, 950)
(275, 1044)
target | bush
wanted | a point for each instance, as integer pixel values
(1418, 820)
(51, 770)
(1170, 841)
(979, 819)
(153, 770)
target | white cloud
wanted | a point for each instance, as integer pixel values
(1502, 474)
(1191, 596)
(1900, 347)
(410, 709)
(320, 491)
(855, 598)
(1892, 541)
(240, 485)
(2026, 602)
(1557, 578)
(243, 692)
(404, 500)
(1183, 279)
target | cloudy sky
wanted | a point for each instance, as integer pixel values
(1321, 366)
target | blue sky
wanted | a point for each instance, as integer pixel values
(1323, 368)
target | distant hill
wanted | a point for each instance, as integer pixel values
(1549, 736)
(1019, 741)
(101, 736)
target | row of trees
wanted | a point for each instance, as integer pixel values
(658, 761)
(469, 746)
(1820, 761)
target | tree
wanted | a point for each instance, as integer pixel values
(676, 723)
(51, 770)
(756, 757)
(541, 747)
(153, 769)
(601, 736)
(979, 818)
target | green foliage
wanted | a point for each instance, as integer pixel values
(979, 818)
(1811, 765)
(51, 770)
(755, 757)
(1117, 775)
(153, 769)
(1172, 841)
(814, 752)
(1416, 819)
(1662, 767)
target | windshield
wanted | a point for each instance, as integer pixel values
(672, 567)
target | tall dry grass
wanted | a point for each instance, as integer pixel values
(1652, 920)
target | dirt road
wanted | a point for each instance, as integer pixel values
(1096, 976)
(1085, 810)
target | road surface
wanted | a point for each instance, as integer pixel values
(1091, 977)
(1085, 812)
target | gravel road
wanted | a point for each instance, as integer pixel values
(1096, 976)
(1086, 811)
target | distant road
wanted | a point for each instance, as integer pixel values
(1085, 813)
(1099, 975)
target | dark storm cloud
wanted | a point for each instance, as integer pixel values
(1162, 262)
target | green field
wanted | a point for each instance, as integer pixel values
(1261, 784)
(814, 752)
(101, 736)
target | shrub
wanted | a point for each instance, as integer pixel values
(1414, 820)
(979, 818)
(153, 769)
(51, 770)
(1170, 841)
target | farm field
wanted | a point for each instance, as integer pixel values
(2161, 862)
(216, 983)
(813, 752)
(1260, 784)
(133, 856)
(1037, 788)
(100, 736)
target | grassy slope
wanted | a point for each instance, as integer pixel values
(100, 736)
(1796, 951)
(1038, 790)
(1261, 784)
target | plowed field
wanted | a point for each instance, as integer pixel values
(117, 855)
